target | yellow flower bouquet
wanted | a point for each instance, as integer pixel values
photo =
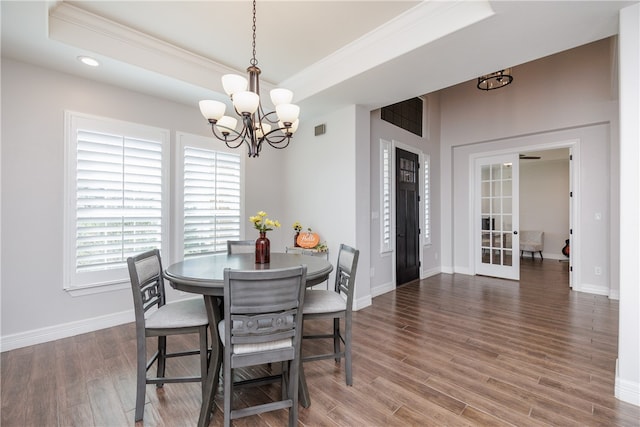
(262, 223)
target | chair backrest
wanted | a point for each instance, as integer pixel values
(264, 309)
(147, 283)
(532, 236)
(241, 246)
(346, 272)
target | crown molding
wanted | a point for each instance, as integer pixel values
(426, 22)
(76, 27)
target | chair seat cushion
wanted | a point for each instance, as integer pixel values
(320, 301)
(256, 347)
(179, 314)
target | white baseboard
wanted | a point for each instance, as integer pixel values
(591, 289)
(446, 269)
(361, 303)
(430, 272)
(614, 294)
(627, 391)
(382, 289)
(64, 330)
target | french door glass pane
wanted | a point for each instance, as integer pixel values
(496, 214)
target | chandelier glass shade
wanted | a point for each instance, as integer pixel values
(275, 128)
(495, 80)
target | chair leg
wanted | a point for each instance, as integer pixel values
(347, 350)
(204, 359)
(162, 358)
(141, 378)
(540, 252)
(228, 393)
(336, 338)
(284, 376)
(293, 380)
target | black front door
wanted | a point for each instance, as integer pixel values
(407, 217)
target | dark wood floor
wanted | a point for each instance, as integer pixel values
(450, 350)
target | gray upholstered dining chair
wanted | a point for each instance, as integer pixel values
(155, 318)
(262, 324)
(335, 304)
(241, 246)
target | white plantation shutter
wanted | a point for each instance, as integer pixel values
(427, 200)
(385, 196)
(116, 201)
(212, 200)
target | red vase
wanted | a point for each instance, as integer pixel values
(263, 250)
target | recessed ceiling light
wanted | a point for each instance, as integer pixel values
(87, 60)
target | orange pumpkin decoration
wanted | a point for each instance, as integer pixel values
(308, 240)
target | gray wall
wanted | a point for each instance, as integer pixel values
(579, 105)
(34, 305)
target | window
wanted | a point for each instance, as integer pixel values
(407, 115)
(116, 191)
(211, 200)
(427, 200)
(385, 196)
(211, 205)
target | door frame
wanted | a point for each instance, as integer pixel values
(573, 145)
(397, 144)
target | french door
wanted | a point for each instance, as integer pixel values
(495, 227)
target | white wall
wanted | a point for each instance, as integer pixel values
(544, 202)
(627, 385)
(324, 186)
(576, 106)
(35, 307)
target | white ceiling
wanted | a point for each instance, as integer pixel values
(330, 53)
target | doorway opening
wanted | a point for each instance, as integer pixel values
(545, 201)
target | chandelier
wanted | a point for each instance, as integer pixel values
(495, 80)
(275, 128)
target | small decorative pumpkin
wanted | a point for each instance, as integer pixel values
(308, 240)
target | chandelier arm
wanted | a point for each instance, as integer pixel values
(267, 118)
(276, 136)
(219, 135)
(279, 147)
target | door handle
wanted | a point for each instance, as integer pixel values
(515, 232)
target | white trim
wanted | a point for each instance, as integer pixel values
(64, 330)
(70, 329)
(625, 390)
(592, 289)
(361, 303)
(382, 289)
(431, 272)
(574, 221)
(110, 279)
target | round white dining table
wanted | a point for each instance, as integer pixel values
(205, 276)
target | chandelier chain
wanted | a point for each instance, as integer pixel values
(254, 61)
